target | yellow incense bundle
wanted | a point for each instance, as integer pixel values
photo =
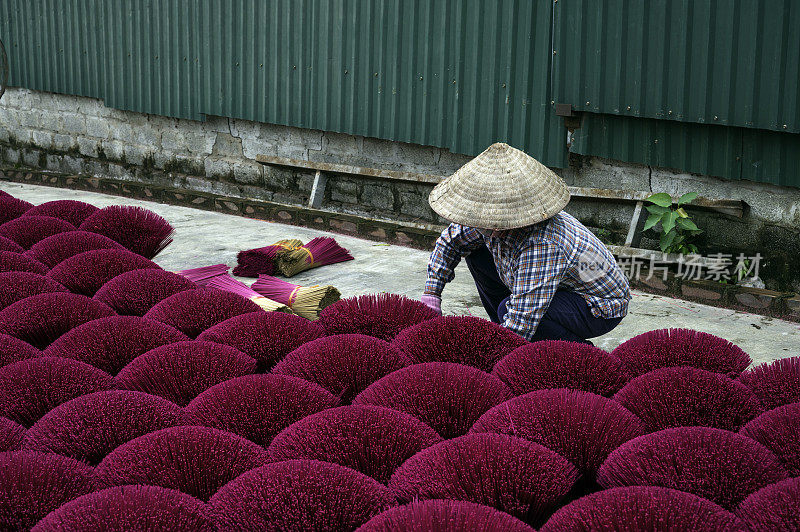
(291, 261)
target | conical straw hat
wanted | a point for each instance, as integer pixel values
(502, 188)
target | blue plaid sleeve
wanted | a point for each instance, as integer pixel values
(540, 269)
(455, 241)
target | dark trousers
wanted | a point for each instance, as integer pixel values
(567, 318)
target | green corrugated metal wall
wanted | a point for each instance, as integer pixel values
(732, 152)
(451, 73)
(706, 86)
(729, 62)
(662, 143)
(710, 84)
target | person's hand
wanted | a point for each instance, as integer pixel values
(433, 302)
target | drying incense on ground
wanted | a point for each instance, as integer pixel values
(198, 275)
(254, 262)
(305, 301)
(320, 251)
(289, 257)
(229, 284)
(216, 276)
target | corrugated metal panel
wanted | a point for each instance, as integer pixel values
(390, 70)
(459, 74)
(55, 46)
(730, 62)
(152, 56)
(729, 152)
(771, 157)
(699, 148)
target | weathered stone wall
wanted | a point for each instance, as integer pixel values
(81, 135)
(75, 135)
(770, 226)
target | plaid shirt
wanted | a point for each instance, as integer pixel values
(534, 262)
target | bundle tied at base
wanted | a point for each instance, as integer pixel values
(305, 301)
(229, 284)
(318, 252)
(217, 276)
(254, 262)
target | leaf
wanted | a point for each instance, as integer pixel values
(669, 221)
(685, 223)
(687, 198)
(662, 198)
(666, 240)
(682, 212)
(651, 221)
(656, 209)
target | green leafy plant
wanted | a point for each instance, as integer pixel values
(739, 272)
(677, 228)
(604, 235)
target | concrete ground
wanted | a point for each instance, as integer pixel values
(203, 238)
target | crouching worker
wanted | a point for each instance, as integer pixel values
(538, 270)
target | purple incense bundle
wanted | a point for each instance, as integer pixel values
(72, 211)
(29, 230)
(202, 275)
(138, 229)
(229, 284)
(276, 289)
(11, 208)
(320, 251)
(254, 262)
(300, 495)
(305, 301)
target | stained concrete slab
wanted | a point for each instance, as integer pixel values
(203, 238)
